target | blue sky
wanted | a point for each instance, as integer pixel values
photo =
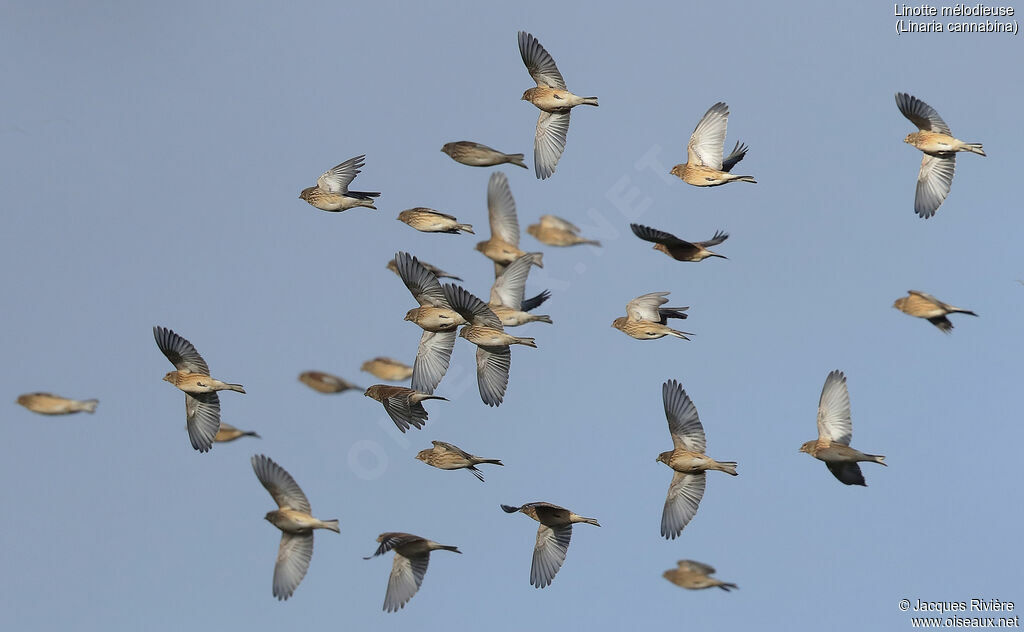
(152, 162)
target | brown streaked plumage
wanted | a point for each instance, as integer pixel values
(939, 146)
(202, 404)
(331, 191)
(403, 405)
(446, 456)
(412, 554)
(835, 430)
(228, 433)
(555, 231)
(387, 369)
(503, 246)
(704, 166)
(50, 404)
(553, 537)
(645, 318)
(294, 518)
(436, 271)
(326, 383)
(694, 575)
(687, 459)
(477, 155)
(554, 101)
(507, 295)
(428, 220)
(924, 305)
(493, 337)
(679, 249)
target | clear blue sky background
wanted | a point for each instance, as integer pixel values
(152, 159)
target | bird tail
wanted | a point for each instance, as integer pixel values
(589, 101)
(538, 259)
(591, 242)
(974, 148)
(529, 342)
(453, 549)
(89, 405)
(679, 334)
(957, 310)
(744, 179)
(236, 387)
(877, 458)
(542, 318)
(509, 509)
(465, 227)
(516, 159)
(715, 254)
(727, 587)
(251, 434)
(490, 462)
(575, 518)
(426, 397)
(729, 467)
(331, 524)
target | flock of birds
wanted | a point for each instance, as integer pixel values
(448, 311)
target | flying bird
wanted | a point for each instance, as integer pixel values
(326, 383)
(387, 369)
(427, 220)
(202, 405)
(939, 147)
(835, 430)
(50, 404)
(555, 231)
(447, 456)
(645, 318)
(412, 554)
(507, 295)
(503, 246)
(553, 537)
(704, 166)
(923, 305)
(687, 459)
(228, 433)
(677, 248)
(694, 575)
(331, 191)
(477, 155)
(403, 405)
(554, 101)
(294, 518)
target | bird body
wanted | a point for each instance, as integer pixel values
(555, 231)
(446, 456)
(477, 155)
(326, 383)
(555, 100)
(199, 383)
(514, 317)
(924, 305)
(387, 369)
(695, 576)
(50, 404)
(553, 538)
(490, 337)
(294, 521)
(705, 166)
(694, 462)
(331, 191)
(677, 248)
(403, 405)
(412, 555)
(430, 221)
(432, 318)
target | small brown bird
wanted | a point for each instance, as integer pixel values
(835, 430)
(477, 155)
(704, 166)
(49, 404)
(503, 246)
(507, 295)
(428, 220)
(202, 405)
(228, 433)
(694, 575)
(939, 147)
(677, 248)
(446, 456)
(436, 271)
(687, 458)
(293, 517)
(402, 404)
(645, 318)
(555, 231)
(327, 383)
(553, 537)
(923, 305)
(331, 191)
(387, 369)
(554, 101)
(412, 554)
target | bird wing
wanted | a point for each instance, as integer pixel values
(695, 567)
(432, 358)
(646, 307)
(553, 221)
(202, 419)
(683, 422)
(834, 424)
(708, 139)
(847, 473)
(657, 236)
(337, 179)
(549, 554)
(179, 351)
(282, 487)
(390, 540)
(403, 413)
(470, 307)
(492, 366)
(681, 502)
(549, 143)
(921, 114)
(501, 210)
(539, 62)
(736, 155)
(425, 287)
(933, 183)
(405, 580)
(509, 287)
(719, 237)
(293, 558)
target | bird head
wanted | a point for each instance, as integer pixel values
(412, 314)
(910, 138)
(807, 447)
(619, 322)
(448, 148)
(422, 456)
(898, 304)
(664, 457)
(677, 170)
(304, 195)
(372, 391)
(170, 376)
